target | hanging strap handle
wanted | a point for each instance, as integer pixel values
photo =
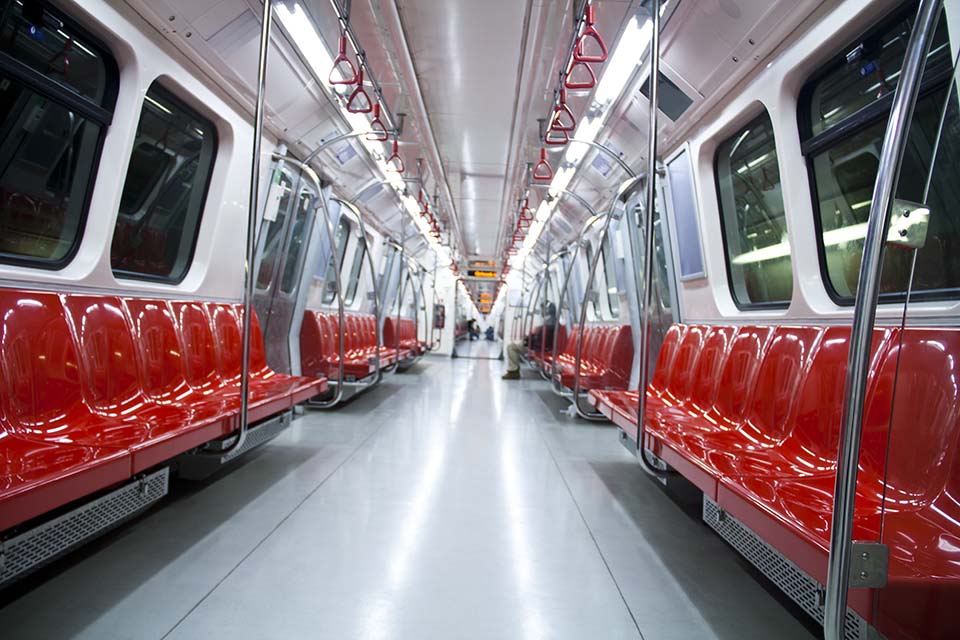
(556, 138)
(378, 132)
(571, 81)
(342, 65)
(543, 172)
(590, 33)
(359, 101)
(562, 118)
(395, 161)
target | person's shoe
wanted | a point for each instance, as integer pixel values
(511, 375)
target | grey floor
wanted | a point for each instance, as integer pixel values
(479, 348)
(447, 504)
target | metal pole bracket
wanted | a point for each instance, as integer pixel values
(909, 222)
(869, 566)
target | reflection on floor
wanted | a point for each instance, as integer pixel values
(479, 348)
(446, 504)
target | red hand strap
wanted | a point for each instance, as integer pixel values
(562, 118)
(543, 172)
(378, 132)
(555, 138)
(359, 101)
(580, 76)
(395, 162)
(590, 34)
(342, 62)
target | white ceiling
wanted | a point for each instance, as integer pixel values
(467, 56)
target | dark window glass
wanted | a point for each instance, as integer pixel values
(844, 166)
(274, 238)
(359, 256)
(336, 262)
(164, 191)
(298, 239)
(753, 218)
(610, 277)
(56, 93)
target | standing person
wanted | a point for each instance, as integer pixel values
(515, 350)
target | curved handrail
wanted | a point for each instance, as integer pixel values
(338, 395)
(563, 293)
(373, 280)
(588, 286)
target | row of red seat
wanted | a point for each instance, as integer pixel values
(606, 356)
(752, 415)
(320, 342)
(405, 339)
(95, 389)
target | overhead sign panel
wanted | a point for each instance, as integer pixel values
(483, 273)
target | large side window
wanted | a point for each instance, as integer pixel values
(164, 190)
(299, 235)
(843, 114)
(57, 93)
(753, 218)
(356, 269)
(336, 261)
(610, 277)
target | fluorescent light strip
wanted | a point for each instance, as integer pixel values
(304, 35)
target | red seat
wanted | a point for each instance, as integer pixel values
(153, 431)
(606, 358)
(44, 414)
(752, 416)
(319, 345)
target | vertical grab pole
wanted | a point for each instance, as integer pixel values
(649, 244)
(864, 315)
(248, 278)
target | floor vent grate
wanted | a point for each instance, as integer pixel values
(796, 583)
(32, 549)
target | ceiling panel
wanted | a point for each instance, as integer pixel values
(466, 54)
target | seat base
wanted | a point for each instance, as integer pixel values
(45, 542)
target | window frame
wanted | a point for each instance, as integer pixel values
(356, 272)
(749, 306)
(171, 96)
(60, 94)
(934, 79)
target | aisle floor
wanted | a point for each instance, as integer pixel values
(446, 504)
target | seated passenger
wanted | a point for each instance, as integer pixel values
(516, 349)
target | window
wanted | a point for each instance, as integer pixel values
(610, 277)
(298, 239)
(57, 93)
(342, 235)
(356, 269)
(753, 218)
(273, 241)
(164, 190)
(843, 115)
